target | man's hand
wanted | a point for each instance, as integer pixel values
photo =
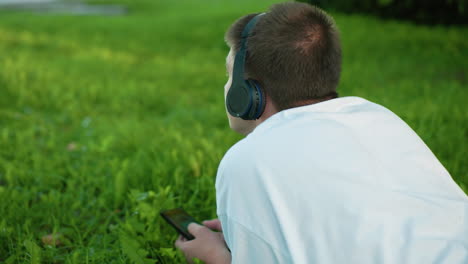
(207, 246)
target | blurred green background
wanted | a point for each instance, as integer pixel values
(106, 120)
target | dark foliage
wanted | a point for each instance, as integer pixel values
(430, 12)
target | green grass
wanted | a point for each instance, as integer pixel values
(104, 121)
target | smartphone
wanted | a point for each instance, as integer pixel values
(179, 219)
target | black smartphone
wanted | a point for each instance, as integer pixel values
(179, 219)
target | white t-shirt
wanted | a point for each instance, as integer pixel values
(342, 181)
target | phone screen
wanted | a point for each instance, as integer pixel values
(180, 220)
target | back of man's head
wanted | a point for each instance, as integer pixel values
(294, 53)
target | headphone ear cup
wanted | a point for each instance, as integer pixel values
(258, 99)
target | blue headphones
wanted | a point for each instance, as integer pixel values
(245, 98)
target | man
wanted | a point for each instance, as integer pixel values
(320, 179)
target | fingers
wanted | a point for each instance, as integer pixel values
(179, 243)
(183, 244)
(214, 224)
(206, 244)
(195, 229)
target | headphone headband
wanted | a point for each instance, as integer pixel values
(239, 61)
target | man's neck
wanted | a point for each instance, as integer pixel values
(314, 101)
(271, 109)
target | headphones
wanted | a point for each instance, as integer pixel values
(245, 98)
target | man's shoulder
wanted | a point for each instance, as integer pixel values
(339, 120)
(315, 120)
(239, 152)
